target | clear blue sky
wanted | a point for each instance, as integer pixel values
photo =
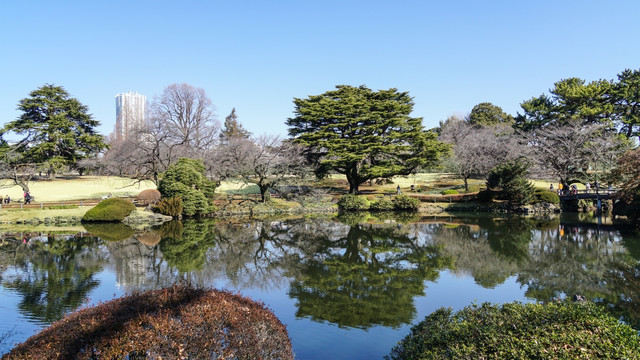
(257, 56)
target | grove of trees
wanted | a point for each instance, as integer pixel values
(576, 132)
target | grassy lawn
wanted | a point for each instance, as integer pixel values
(77, 188)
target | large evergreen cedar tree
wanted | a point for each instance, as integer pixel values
(57, 130)
(363, 134)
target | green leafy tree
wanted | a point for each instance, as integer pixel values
(233, 129)
(363, 134)
(626, 101)
(571, 99)
(57, 130)
(510, 178)
(186, 179)
(538, 111)
(487, 114)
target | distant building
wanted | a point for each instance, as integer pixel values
(130, 113)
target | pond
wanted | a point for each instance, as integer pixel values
(346, 288)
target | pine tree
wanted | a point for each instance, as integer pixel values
(233, 129)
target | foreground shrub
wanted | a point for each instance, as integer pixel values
(351, 202)
(545, 196)
(406, 203)
(113, 209)
(174, 323)
(382, 205)
(556, 330)
(148, 197)
(169, 206)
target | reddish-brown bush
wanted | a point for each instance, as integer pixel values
(173, 323)
(148, 197)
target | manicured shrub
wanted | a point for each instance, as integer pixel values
(406, 203)
(186, 179)
(148, 197)
(169, 206)
(351, 202)
(113, 209)
(382, 205)
(546, 196)
(174, 323)
(555, 330)
(450, 192)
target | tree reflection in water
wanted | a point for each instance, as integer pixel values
(367, 277)
(54, 274)
(354, 275)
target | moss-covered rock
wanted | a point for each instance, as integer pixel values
(109, 210)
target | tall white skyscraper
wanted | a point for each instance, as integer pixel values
(130, 113)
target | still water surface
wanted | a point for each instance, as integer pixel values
(346, 288)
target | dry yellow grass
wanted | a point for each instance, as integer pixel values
(76, 188)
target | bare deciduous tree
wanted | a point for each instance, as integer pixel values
(186, 115)
(477, 149)
(265, 161)
(568, 150)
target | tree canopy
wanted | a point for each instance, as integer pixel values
(57, 131)
(488, 114)
(233, 129)
(363, 134)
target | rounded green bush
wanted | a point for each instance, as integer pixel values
(555, 330)
(450, 192)
(351, 202)
(110, 210)
(405, 202)
(382, 205)
(545, 196)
